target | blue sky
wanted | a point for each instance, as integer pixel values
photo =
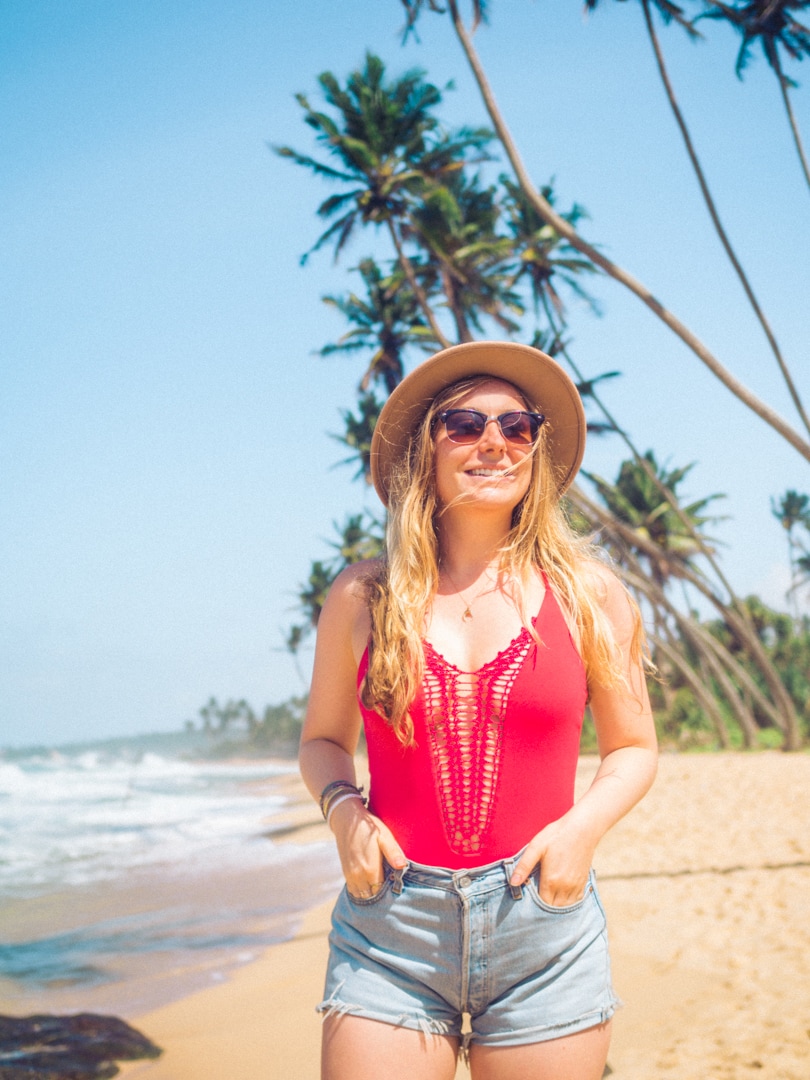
(167, 469)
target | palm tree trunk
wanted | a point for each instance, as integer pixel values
(705, 550)
(707, 702)
(564, 228)
(794, 127)
(457, 311)
(713, 214)
(417, 289)
(788, 721)
(714, 653)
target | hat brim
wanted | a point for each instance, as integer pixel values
(535, 374)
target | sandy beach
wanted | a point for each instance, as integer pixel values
(707, 889)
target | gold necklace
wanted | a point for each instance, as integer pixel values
(467, 613)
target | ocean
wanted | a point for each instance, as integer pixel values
(130, 877)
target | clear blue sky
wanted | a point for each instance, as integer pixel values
(166, 465)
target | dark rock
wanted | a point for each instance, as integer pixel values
(81, 1047)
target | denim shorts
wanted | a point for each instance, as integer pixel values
(433, 945)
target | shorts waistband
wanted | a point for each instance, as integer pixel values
(469, 881)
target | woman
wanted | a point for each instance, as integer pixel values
(470, 916)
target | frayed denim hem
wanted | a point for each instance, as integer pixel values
(426, 1024)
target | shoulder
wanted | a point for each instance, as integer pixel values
(611, 596)
(351, 587)
(346, 609)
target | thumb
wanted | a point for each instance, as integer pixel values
(392, 852)
(527, 861)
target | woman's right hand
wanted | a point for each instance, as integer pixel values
(364, 843)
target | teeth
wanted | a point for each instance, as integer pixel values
(487, 472)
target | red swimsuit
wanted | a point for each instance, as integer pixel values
(495, 752)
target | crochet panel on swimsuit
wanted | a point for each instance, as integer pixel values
(465, 714)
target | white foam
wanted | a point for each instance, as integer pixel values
(73, 819)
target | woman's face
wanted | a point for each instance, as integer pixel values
(492, 473)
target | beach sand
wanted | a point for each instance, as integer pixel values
(707, 890)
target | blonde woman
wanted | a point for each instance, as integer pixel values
(470, 917)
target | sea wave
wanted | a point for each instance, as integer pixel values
(71, 819)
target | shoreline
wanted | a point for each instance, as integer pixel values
(707, 889)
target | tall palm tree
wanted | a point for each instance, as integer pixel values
(618, 273)
(385, 322)
(671, 12)
(542, 256)
(792, 511)
(387, 145)
(456, 223)
(770, 22)
(358, 430)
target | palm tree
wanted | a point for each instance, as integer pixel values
(792, 510)
(542, 256)
(360, 537)
(626, 540)
(457, 225)
(388, 147)
(358, 431)
(385, 321)
(672, 13)
(637, 500)
(771, 23)
(618, 273)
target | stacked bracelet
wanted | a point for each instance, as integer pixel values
(335, 792)
(335, 803)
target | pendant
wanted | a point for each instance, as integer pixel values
(467, 614)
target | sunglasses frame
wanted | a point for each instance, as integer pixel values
(539, 419)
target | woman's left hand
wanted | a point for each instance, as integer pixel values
(565, 854)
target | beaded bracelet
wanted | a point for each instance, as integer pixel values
(333, 787)
(342, 798)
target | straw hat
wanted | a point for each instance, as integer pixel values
(540, 378)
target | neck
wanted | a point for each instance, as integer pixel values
(467, 550)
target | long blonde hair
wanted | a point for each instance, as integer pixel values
(401, 589)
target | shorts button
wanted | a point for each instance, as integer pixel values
(465, 882)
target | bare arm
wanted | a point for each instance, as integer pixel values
(332, 729)
(628, 749)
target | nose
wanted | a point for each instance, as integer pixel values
(492, 437)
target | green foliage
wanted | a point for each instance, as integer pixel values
(235, 728)
(637, 498)
(359, 538)
(768, 22)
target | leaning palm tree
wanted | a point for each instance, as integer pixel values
(384, 142)
(618, 273)
(673, 13)
(622, 537)
(770, 22)
(637, 500)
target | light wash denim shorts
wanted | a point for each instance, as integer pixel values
(435, 944)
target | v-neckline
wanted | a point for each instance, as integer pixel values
(519, 638)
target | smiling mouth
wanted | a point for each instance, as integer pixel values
(488, 472)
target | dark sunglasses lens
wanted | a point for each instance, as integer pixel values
(519, 427)
(464, 425)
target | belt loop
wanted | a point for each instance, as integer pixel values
(508, 868)
(397, 876)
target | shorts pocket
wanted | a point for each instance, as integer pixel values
(532, 887)
(369, 901)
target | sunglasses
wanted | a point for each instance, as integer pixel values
(468, 425)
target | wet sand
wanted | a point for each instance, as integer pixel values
(707, 889)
